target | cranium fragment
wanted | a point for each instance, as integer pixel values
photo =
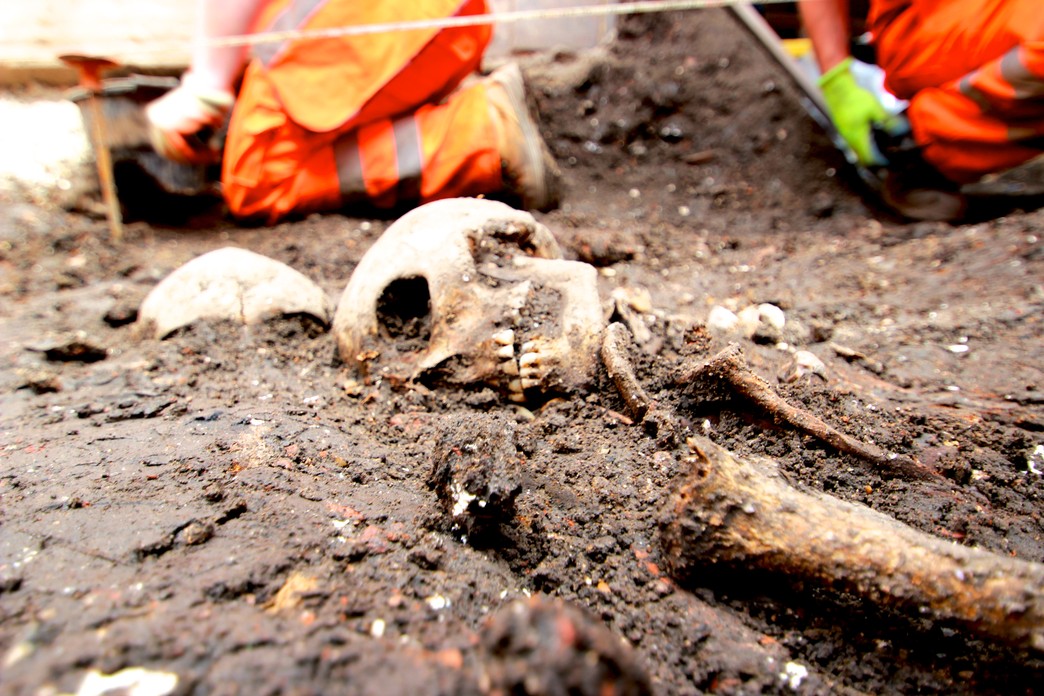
(233, 284)
(468, 291)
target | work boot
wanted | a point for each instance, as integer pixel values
(914, 188)
(527, 166)
(909, 195)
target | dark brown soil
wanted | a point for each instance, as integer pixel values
(232, 506)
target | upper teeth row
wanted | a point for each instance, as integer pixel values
(525, 372)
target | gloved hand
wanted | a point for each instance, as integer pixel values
(855, 111)
(182, 120)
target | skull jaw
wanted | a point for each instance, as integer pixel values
(550, 367)
(475, 349)
(565, 360)
(558, 365)
(543, 341)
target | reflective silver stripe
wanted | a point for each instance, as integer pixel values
(293, 17)
(349, 169)
(1026, 87)
(410, 158)
(974, 93)
(1026, 84)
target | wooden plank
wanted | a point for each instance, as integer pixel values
(152, 36)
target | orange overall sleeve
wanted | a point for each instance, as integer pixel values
(973, 71)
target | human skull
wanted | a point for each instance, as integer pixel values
(468, 291)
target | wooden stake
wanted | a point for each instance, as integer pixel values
(89, 70)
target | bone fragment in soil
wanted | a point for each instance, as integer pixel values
(616, 344)
(618, 366)
(727, 374)
(739, 514)
(505, 309)
(233, 284)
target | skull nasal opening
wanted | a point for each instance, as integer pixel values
(404, 309)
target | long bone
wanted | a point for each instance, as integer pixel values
(736, 513)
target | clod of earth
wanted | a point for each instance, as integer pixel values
(548, 646)
(741, 514)
(475, 472)
(75, 348)
(466, 292)
(233, 284)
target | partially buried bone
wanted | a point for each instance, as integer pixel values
(742, 514)
(233, 284)
(728, 372)
(466, 292)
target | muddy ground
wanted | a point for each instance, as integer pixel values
(233, 507)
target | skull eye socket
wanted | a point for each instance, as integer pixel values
(404, 310)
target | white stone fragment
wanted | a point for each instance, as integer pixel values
(437, 602)
(802, 364)
(461, 499)
(749, 318)
(722, 320)
(793, 674)
(1035, 462)
(133, 681)
(772, 315)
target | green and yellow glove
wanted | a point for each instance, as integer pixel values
(854, 111)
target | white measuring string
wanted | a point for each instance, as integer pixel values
(641, 7)
(133, 47)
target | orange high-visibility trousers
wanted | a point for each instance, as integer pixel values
(973, 71)
(379, 118)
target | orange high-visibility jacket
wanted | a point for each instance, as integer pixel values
(322, 123)
(973, 71)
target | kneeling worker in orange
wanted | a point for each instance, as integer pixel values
(973, 71)
(383, 119)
